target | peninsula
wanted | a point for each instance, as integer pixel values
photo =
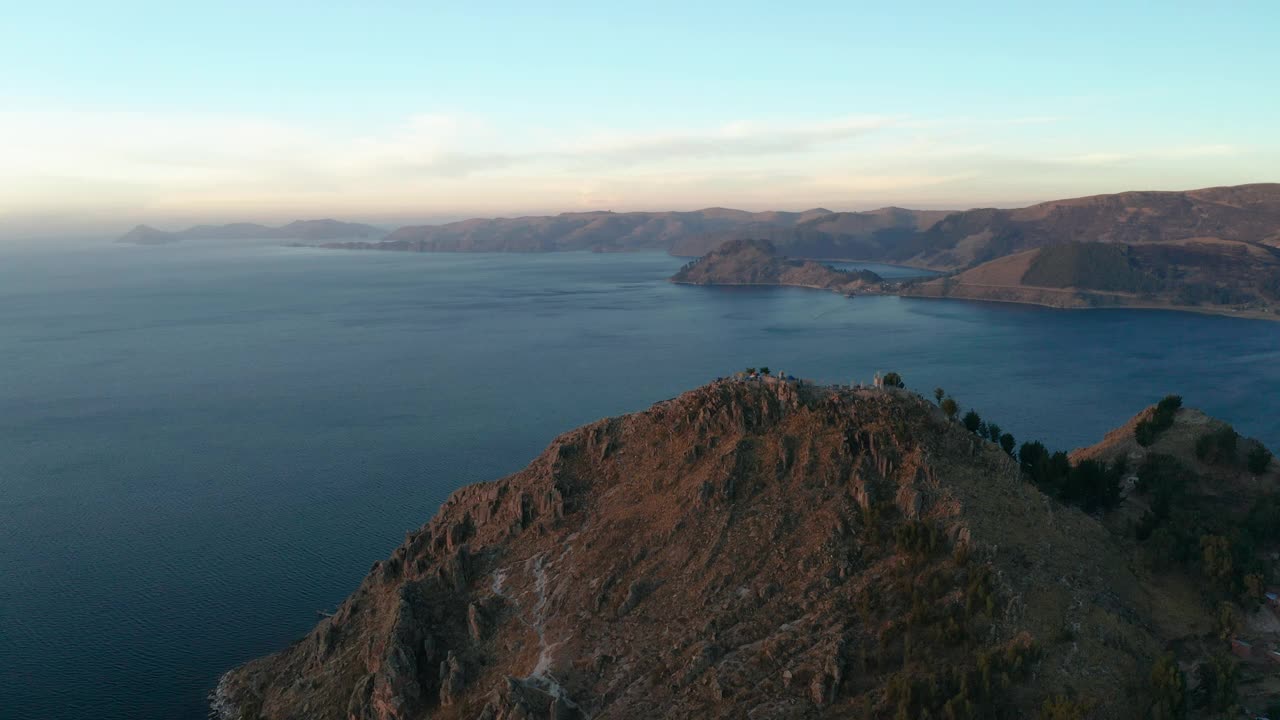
(1203, 275)
(771, 549)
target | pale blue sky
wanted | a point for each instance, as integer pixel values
(171, 112)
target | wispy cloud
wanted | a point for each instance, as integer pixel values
(147, 166)
(1182, 152)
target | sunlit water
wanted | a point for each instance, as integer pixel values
(202, 445)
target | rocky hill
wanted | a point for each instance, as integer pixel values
(755, 549)
(829, 235)
(1204, 274)
(757, 262)
(1245, 213)
(301, 230)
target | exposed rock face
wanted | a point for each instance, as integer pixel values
(756, 262)
(746, 550)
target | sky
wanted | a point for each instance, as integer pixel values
(173, 113)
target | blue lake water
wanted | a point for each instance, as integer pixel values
(201, 445)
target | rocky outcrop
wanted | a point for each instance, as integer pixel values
(748, 549)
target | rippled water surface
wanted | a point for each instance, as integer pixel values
(201, 445)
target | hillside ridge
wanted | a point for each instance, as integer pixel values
(750, 548)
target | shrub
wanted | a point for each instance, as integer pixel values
(950, 408)
(1168, 690)
(972, 421)
(1218, 679)
(1218, 446)
(1060, 708)
(893, 379)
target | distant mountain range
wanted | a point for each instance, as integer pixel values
(936, 239)
(306, 230)
(1215, 246)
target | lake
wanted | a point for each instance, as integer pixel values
(202, 445)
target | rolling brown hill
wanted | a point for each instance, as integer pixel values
(1247, 213)
(600, 231)
(1204, 274)
(858, 235)
(757, 549)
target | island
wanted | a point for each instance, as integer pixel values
(757, 262)
(768, 548)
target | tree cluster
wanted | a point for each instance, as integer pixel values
(974, 423)
(1089, 484)
(1185, 529)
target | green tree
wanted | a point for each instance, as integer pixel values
(1034, 457)
(938, 394)
(1161, 419)
(1144, 432)
(972, 421)
(764, 370)
(1168, 405)
(1168, 690)
(893, 379)
(1259, 459)
(993, 432)
(1007, 443)
(950, 408)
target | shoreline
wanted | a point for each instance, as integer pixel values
(1242, 314)
(1218, 312)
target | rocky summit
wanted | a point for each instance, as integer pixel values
(756, 549)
